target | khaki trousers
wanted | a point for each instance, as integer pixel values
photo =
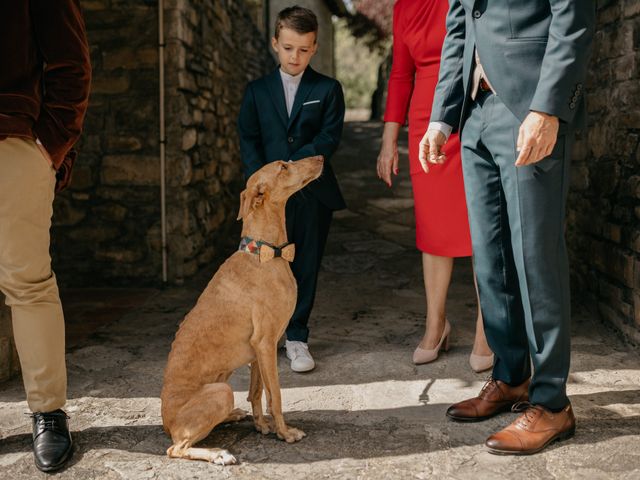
(27, 183)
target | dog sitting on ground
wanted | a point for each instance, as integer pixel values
(238, 320)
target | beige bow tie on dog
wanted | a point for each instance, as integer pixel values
(267, 252)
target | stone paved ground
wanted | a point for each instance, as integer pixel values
(368, 412)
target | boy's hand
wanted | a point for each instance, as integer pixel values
(431, 148)
(387, 161)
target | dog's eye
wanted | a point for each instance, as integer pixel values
(283, 166)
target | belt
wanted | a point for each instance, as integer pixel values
(483, 86)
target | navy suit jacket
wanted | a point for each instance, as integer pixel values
(314, 128)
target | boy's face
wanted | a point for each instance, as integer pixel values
(294, 50)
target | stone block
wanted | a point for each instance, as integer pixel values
(112, 212)
(109, 85)
(126, 143)
(82, 178)
(95, 234)
(631, 8)
(189, 139)
(635, 242)
(66, 213)
(130, 58)
(580, 177)
(129, 170)
(119, 255)
(92, 5)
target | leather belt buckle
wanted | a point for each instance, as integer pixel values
(483, 86)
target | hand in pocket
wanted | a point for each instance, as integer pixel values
(45, 154)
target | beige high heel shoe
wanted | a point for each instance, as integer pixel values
(421, 355)
(480, 363)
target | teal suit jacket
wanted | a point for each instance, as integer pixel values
(534, 52)
(268, 134)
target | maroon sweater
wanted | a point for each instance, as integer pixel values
(45, 74)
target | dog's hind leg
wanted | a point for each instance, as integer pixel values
(205, 409)
(261, 422)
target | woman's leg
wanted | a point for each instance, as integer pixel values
(437, 276)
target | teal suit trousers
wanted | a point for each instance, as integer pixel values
(516, 215)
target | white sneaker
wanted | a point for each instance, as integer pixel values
(301, 359)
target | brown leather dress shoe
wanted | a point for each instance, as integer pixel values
(494, 398)
(532, 431)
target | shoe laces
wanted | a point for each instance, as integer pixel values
(489, 385)
(529, 412)
(299, 349)
(48, 421)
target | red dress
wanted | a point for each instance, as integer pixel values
(442, 226)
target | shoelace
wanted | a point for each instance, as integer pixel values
(48, 421)
(489, 385)
(530, 412)
(299, 350)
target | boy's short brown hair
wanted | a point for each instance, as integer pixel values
(299, 19)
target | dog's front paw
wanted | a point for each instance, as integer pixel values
(264, 425)
(291, 435)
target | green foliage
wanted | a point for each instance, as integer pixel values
(356, 66)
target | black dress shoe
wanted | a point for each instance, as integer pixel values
(52, 445)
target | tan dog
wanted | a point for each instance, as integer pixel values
(238, 320)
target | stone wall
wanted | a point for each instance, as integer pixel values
(215, 49)
(604, 202)
(107, 225)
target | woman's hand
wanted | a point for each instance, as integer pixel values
(388, 162)
(388, 157)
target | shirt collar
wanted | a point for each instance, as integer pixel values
(291, 79)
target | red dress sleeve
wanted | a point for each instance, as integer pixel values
(402, 75)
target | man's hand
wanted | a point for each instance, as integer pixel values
(431, 148)
(44, 152)
(537, 137)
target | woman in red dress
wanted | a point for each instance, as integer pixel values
(442, 228)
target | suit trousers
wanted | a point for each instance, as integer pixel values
(27, 183)
(516, 216)
(308, 221)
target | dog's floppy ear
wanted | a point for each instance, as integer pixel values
(250, 199)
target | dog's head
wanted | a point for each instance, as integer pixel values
(277, 181)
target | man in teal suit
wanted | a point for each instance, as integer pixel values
(511, 80)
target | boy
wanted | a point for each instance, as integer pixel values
(291, 114)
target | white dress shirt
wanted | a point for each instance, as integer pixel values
(477, 75)
(290, 84)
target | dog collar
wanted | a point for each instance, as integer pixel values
(266, 251)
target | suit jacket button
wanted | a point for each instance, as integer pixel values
(290, 139)
(572, 105)
(477, 14)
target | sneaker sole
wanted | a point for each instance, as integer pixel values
(557, 438)
(303, 371)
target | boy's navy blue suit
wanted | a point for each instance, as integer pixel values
(267, 133)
